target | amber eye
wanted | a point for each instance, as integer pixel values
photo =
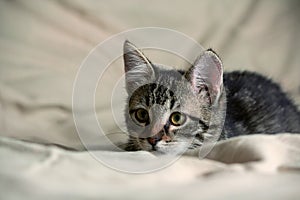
(141, 115)
(177, 118)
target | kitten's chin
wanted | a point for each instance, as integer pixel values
(171, 148)
(161, 148)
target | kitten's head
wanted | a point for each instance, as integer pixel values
(169, 110)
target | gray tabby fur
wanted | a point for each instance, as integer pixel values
(254, 104)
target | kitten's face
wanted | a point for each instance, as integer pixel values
(169, 111)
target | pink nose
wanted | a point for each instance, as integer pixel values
(153, 140)
(166, 138)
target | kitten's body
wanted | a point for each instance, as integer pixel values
(159, 96)
(255, 104)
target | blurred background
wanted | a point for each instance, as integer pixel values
(42, 44)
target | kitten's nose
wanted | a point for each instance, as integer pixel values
(166, 138)
(158, 137)
(153, 140)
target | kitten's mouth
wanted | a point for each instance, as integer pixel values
(156, 138)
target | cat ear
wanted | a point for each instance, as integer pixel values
(206, 75)
(138, 68)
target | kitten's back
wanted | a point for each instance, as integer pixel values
(255, 104)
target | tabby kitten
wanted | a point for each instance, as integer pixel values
(171, 111)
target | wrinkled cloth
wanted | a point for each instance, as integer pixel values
(247, 167)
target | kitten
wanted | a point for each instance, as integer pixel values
(169, 110)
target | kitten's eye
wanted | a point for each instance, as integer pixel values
(177, 119)
(141, 115)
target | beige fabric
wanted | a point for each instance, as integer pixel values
(259, 167)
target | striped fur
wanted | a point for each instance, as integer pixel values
(244, 102)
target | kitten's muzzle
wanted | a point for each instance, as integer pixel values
(158, 137)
